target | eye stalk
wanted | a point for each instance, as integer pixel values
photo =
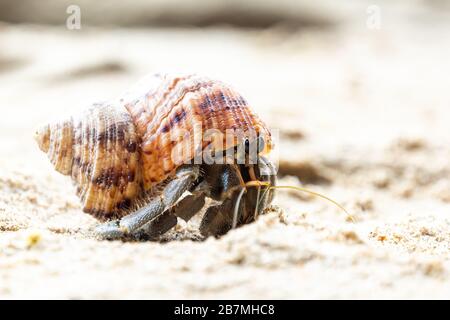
(259, 144)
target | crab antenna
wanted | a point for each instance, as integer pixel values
(260, 183)
(236, 208)
(257, 203)
(263, 196)
(317, 195)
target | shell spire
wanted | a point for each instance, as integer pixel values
(99, 150)
(56, 140)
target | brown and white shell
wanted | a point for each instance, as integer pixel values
(117, 151)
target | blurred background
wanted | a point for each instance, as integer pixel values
(357, 89)
(353, 60)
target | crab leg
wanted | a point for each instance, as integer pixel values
(159, 225)
(216, 220)
(182, 181)
(189, 206)
(109, 230)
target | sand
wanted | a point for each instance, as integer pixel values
(363, 117)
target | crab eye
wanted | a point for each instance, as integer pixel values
(257, 144)
(261, 143)
(246, 145)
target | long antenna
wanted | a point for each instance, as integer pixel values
(301, 189)
(316, 194)
(236, 208)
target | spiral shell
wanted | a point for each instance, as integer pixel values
(116, 151)
(99, 150)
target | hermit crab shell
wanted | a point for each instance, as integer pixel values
(115, 152)
(99, 149)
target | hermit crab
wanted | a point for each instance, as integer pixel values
(155, 154)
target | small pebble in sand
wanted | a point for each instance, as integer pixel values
(364, 204)
(292, 134)
(33, 239)
(347, 236)
(405, 190)
(381, 179)
(410, 144)
(433, 269)
(352, 236)
(427, 232)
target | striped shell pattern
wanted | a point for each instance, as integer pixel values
(117, 151)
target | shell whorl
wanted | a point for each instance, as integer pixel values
(166, 107)
(56, 140)
(100, 150)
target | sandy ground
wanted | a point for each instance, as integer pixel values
(363, 117)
